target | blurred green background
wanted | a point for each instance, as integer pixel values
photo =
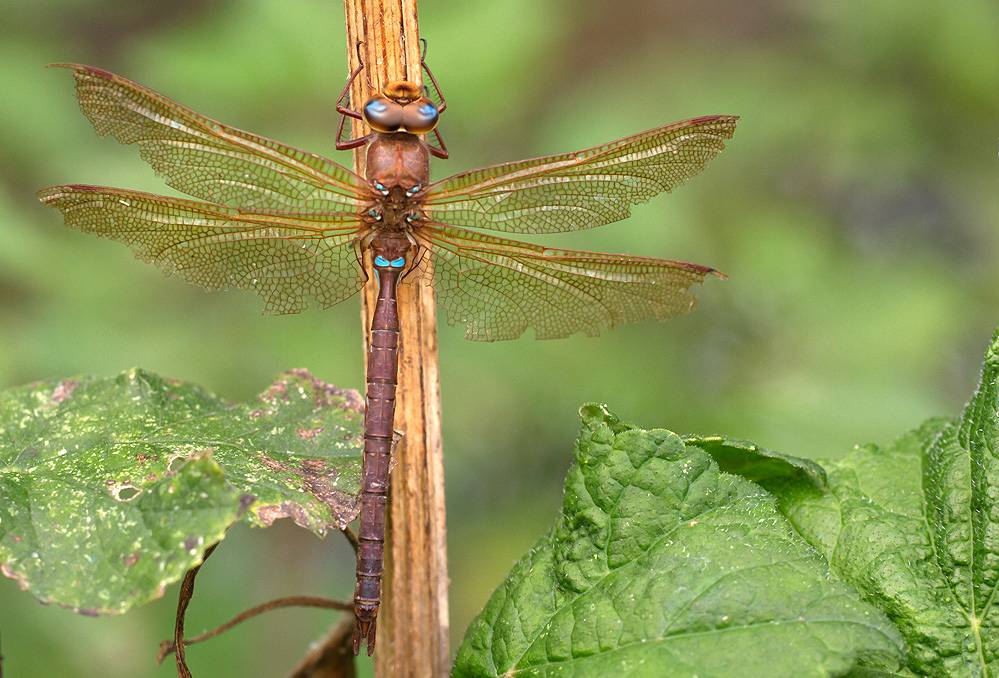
(855, 212)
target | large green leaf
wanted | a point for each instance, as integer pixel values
(915, 526)
(110, 489)
(663, 565)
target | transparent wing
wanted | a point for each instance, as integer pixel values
(210, 160)
(498, 287)
(579, 190)
(289, 259)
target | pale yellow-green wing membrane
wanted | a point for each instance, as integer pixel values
(293, 260)
(208, 159)
(583, 189)
(498, 288)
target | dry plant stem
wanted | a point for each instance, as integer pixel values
(186, 592)
(169, 646)
(413, 621)
(351, 537)
(332, 657)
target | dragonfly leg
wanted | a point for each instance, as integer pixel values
(423, 62)
(359, 246)
(441, 151)
(346, 112)
(350, 143)
(420, 252)
(343, 110)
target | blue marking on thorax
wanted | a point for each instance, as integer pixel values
(382, 261)
(398, 263)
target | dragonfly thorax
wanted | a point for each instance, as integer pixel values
(395, 209)
(398, 169)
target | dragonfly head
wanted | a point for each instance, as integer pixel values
(401, 107)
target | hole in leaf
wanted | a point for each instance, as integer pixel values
(125, 492)
(175, 463)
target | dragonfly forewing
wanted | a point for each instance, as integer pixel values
(208, 159)
(583, 189)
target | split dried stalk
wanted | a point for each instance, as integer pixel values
(413, 621)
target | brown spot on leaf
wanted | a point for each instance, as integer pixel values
(309, 433)
(190, 543)
(244, 502)
(286, 509)
(273, 464)
(132, 558)
(315, 466)
(318, 480)
(63, 391)
(276, 391)
(327, 394)
(88, 612)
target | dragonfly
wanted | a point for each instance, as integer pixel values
(297, 228)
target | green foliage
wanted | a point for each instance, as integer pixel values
(915, 527)
(857, 223)
(110, 489)
(662, 564)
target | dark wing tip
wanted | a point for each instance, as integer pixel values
(703, 270)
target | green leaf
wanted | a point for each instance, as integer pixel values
(663, 565)
(110, 489)
(915, 527)
(764, 467)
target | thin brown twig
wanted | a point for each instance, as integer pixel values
(184, 599)
(169, 646)
(351, 537)
(331, 657)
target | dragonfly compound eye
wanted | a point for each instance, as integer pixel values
(383, 115)
(420, 116)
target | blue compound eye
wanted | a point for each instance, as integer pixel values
(383, 115)
(398, 263)
(420, 116)
(382, 261)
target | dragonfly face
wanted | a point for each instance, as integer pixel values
(401, 108)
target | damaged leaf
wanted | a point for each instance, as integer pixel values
(661, 564)
(110, 489)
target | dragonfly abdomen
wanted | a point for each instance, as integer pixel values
(382, 375)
